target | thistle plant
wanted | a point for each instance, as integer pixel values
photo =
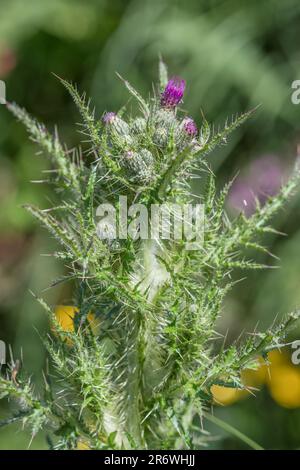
(142, 378)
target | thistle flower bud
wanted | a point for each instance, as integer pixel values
(161, 137)
(139, 165)
(173, 93)
(165, 122)
(165, 118)
(186, 132)
(108, 118)
(138, 126)
(189, 127)
(147, 157)
(119, 131)
(116, 124)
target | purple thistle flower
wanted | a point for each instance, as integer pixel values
(173, 93)
(190, 127)
(108, 118)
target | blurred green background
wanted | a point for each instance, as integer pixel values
(234, 55)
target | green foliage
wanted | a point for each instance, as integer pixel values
(140, 381)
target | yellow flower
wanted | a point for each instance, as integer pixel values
(255, 377)
(281, 377)
(250, 378)
(227, 395)
(278, 357)
(65, 316)
(284, 386)
(284, 380)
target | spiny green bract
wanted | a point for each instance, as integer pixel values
(143, 379)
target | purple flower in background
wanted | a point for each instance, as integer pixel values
(173, 93)
(190, 127)
(108, 118)
(263, 179)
